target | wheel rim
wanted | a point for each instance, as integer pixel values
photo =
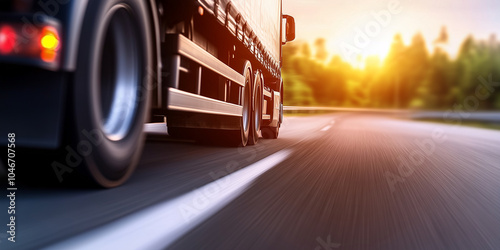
(119, 75)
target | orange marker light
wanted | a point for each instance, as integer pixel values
(50, 39)
(49, 43)
(48, 55)
(201, 11)
(8, 39)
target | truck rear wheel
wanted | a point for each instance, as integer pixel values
(111, 91)
(273, 132)
(256, 109)
(270, 132)
(240, 137)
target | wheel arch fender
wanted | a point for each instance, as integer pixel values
(77, 10)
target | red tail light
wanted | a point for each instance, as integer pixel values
(8, 39)
(38, 44)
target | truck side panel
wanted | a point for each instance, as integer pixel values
(264, 19)
(256, 23)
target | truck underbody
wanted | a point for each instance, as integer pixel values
(207, 47)
(203, 67)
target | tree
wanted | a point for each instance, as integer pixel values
(306, 50)
(438, 85)
(409, 77)
(417, 67)
(443, 37)
(393, 74)
(321, 51)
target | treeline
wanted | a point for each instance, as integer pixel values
(409, 77)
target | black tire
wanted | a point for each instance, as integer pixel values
(270, 132)
(273, 132)
(240, 137)
(256, 109)
(111, 92)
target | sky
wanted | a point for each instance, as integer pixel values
(341, 22)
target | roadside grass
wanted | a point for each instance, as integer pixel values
(475, 124)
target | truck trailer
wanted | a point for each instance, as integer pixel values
(80, 78)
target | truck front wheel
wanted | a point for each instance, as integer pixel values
(111, 90)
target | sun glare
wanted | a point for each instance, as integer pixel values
(379, 50)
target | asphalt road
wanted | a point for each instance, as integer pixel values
(337, 181)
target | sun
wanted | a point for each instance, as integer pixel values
(357, 55)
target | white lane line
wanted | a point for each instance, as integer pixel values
(159, 226)
(326, 128)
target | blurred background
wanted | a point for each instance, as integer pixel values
(426, 54)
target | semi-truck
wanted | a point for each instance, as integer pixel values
(82, 77)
